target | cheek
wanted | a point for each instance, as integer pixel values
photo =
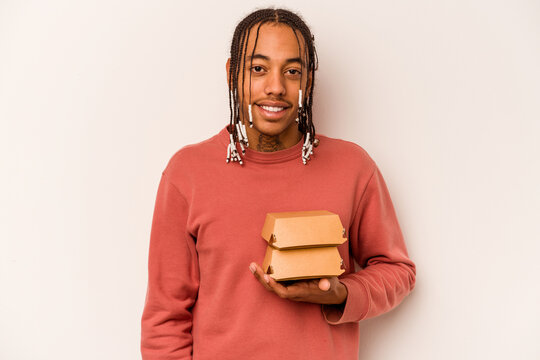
(257, 90)
(292, 89)
(257, 85)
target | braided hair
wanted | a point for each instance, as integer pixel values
(238, 63)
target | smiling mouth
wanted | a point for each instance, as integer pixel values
(272, 112)
(272, 108)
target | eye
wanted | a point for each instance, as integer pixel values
(257, 69)
(294, 72)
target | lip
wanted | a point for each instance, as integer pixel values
(272, 115)
(273, 103)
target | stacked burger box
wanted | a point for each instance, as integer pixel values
(303, 245)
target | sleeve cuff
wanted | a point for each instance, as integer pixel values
(354, 309)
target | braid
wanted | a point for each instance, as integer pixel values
(253, 53)
(237, 64)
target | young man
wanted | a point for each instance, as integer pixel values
(207, 296)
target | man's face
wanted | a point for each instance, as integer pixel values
(275, 79)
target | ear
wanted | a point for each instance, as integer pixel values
(227, 66)
(308, 83)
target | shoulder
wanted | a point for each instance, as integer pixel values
(346, 153)
(193, 156)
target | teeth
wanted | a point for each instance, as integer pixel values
(272, 108)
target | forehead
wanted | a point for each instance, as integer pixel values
(276, 40)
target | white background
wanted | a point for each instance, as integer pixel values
(96, 96)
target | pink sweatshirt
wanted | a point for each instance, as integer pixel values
(202, 300)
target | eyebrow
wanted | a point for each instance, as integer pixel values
(266, 58)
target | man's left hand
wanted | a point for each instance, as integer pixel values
(319, 291)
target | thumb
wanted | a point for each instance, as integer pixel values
(324, 284)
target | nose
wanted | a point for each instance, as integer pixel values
(274, 84)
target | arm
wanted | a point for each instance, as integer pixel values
(376, 241)
(173, 279)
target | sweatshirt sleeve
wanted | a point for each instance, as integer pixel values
(387, 274)
(173, 279)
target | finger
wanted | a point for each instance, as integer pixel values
(304, 290)
(259, 275)
(300, 287)
(276, 287)
(324, 284)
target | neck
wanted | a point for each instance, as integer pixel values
(263, 142)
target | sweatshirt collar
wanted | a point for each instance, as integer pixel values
(294, 152)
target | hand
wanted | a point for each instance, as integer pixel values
(318, 291)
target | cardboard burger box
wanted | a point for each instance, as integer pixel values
(303, 245)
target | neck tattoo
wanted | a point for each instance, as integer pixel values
(269, 143)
